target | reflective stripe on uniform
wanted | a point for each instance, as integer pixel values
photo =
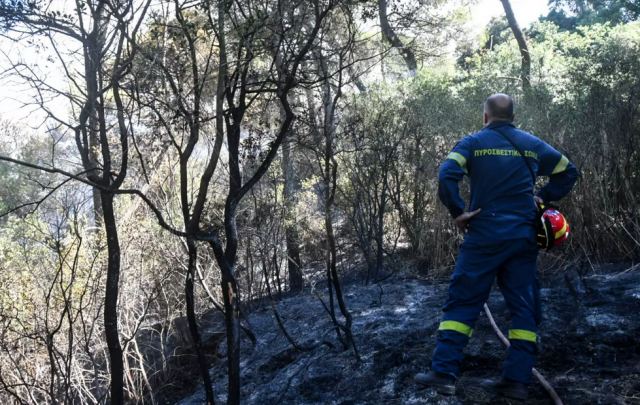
(461, 160)
(561, 166)
(456, 326)
(522, 334)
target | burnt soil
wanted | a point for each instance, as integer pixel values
(589, 345)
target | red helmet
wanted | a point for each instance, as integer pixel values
(554, 230)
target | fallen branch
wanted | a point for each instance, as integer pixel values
(543, 381)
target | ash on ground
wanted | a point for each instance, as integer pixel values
(589, 347)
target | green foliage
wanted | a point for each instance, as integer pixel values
(585, 101)
(570, 14)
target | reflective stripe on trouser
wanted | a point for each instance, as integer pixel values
(514, 264)
(456, 326)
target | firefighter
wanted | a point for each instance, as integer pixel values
(499, 241)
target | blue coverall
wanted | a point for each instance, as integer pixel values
(500, 241)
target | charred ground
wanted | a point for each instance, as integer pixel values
(589, 349)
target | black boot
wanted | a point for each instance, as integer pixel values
(443, 383)
(508, 389)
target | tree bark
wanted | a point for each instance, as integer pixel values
(525, 69)
(296, 282)
(394, 40)
(231, 299)
(111, 299)
(380, 231)
(232, 316)
(330, 168)
(93, 142)
(191, 319)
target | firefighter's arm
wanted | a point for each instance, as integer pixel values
(452, 170)
(562, 174)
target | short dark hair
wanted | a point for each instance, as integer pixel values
(499, 106)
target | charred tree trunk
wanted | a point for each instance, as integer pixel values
(330, 265)
(97, 199)
(232, 323)
(192, 218)
(231, 299)
(525, 70)
(332, 271)
(227, 260)
(330, 168)
(95, 107)
(380, 231)
(276, 269)
(111, 300)
(191, 319)
(292, 238)
(92, 65)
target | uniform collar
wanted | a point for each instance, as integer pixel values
(498, 124)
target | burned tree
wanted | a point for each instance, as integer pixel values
(259, 50)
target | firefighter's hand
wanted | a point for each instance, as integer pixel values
(462, 220)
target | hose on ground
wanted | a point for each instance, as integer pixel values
(543, 381)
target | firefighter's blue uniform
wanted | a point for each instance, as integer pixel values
(500, 241)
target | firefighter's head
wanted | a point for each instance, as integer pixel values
(498, 107)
